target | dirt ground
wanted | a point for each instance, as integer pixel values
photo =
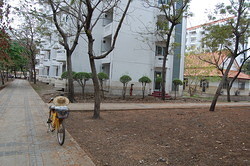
(176, 137)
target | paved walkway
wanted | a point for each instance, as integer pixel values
(24, 140)
(152, 106)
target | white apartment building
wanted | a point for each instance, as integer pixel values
(196, 33)
(138, 52)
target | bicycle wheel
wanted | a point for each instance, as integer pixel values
(61, 133)
(50, 127)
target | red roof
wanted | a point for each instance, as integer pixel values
(213, 22)
(240, 76)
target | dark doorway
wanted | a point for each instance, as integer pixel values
(157, 85)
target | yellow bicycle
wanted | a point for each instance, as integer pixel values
(58, 112)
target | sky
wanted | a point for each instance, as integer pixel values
(199, 9)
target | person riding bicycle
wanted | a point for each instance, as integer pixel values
(57, 101)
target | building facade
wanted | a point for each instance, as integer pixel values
(195, 34)
(138, 52)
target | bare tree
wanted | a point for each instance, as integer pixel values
(68, 31)
(93, 12)
(238, 31)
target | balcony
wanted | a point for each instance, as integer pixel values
(108, 16)
(39, 66)
(61, 55)
(107, 30)
(46, 62)
(55, 63)
(43, 52)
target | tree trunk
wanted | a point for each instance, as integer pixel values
(34, 71)
(97, 94)
(224, 78)
(101, 83)
(228, 90)
(33, 66)
(228, 94)
(31, 75)
(124, 92)
(15, 73)
(163, 90)
(82, 92)
(2, 77)
(143, 91)
(175, 89)
(7, 74)
(230, 84)
(70, 78)
(83, 88)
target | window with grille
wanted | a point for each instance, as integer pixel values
(241, 85)
(159, 51)
(162, 2)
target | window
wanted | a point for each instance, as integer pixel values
(64, 68)
(241, 60)
(241, 85)
(162, 23)
(161, 2)
(193, 32)
(159, 51)
(185, 82)
(204, 84)
(57, 71)
(48, 54)
(193, 39)
(47, 71)
(157, 80)
(106, 68)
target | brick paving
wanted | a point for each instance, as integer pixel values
(24, 138)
